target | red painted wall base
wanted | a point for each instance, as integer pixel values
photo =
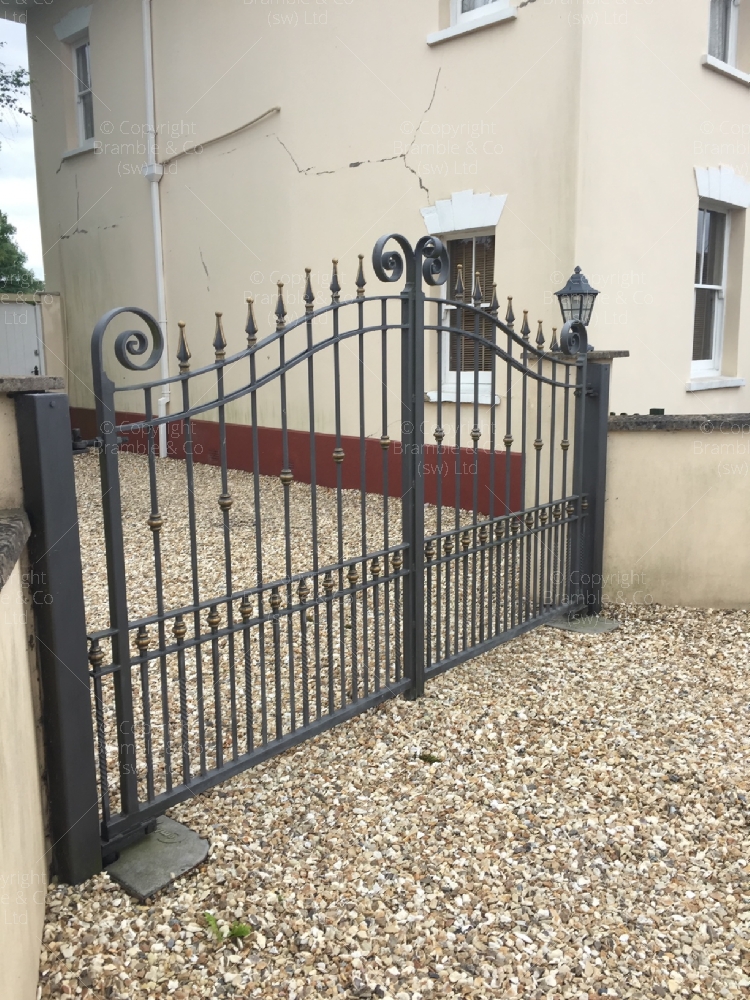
(454, 463)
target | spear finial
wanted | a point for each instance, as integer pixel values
(477, 293)
(540, 336)
(308, 297)
(280, 307)
(554, 346)
(509, 315)
(459, 290)
(494, 304)
(525, 328)
(335, 286)
(183, 351)
(360, 280)
(220, 341)
(251, 327)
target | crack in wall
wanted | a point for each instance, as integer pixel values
(208, 276)
(361, 163)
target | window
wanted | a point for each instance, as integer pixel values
(710, 290)
(473, 254)
(84, 94)
(467, 10)
(722, 39)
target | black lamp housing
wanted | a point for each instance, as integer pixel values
(577, 298)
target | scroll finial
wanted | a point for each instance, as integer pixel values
(220, 341)
(183, 351)
(280, 307)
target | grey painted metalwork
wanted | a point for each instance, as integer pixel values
(271, 662)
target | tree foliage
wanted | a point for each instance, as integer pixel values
(14, 275)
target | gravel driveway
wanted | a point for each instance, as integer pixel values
(565, 816)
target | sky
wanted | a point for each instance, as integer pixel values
(18, 197)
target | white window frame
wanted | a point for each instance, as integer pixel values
(459, 17)
(709, 367)
(82, 43)
(734, 16)
(448, 377)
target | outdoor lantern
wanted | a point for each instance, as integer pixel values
(577, 298)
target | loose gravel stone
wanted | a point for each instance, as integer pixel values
(565, 816)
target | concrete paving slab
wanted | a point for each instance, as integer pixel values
(161, 857)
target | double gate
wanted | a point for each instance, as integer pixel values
(355, 538)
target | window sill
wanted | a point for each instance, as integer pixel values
(713, 382)
(448, 395)
(474, 24)
(711, 62)
(88, 147)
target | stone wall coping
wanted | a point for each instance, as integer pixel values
(706, 423)
(14, 533)
(31, 383)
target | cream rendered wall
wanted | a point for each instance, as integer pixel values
(650, 114)
(676, 525)
(323, 178)
(95, 215)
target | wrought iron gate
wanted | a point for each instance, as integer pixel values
(366, 560)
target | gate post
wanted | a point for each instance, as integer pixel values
(60, 629)
(594, 485)
(412, 480)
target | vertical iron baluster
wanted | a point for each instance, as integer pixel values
(509, 553)
(96, 658)
(539, 516)
(275, 602)
(385, 445)
(448, 549)
(246, 611)
(214, 620)
(524, 561)
(493, 311)
(552, 560)
(459, 293)
(309, 300)
(183, 357)
(565, 445)
(465, 542)
(142, 644)
(439, 436)
(180, 631)
(476, 433)
(303, 592)
(286, 482)
(375, 573)
(155, 524)
(482, 571)
(328, 591)
(360, 281)
(429, 554)
(352, 577)
(251, 329)
(338, 457)
(397, 562)
(225, 505)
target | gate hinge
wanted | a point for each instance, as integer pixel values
(591, 393)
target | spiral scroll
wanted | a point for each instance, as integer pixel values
(574, 338)
(429, 253)
(435, 262)
(129, 344)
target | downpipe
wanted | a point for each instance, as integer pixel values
(154, 173)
